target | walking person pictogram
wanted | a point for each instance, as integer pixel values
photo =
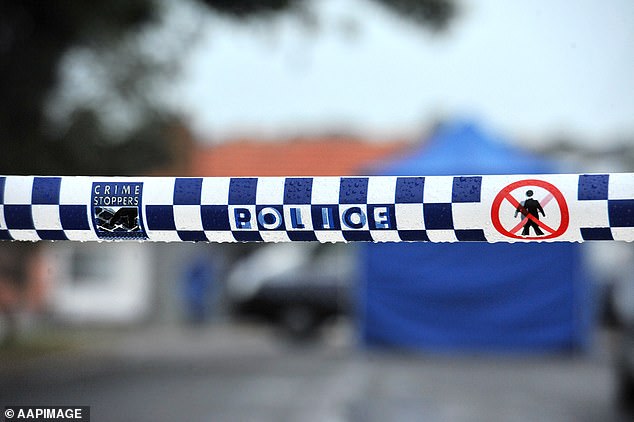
(533, 207)
(506, 203)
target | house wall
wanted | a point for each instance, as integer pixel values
(99, 282)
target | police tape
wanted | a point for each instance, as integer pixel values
(491, 208)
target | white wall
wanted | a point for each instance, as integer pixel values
(100, 282)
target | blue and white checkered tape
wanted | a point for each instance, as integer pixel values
(496, 208)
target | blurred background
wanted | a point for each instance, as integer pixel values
(302, 331)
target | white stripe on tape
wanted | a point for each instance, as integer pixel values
(495, 208)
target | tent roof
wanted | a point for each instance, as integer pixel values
(463, 147)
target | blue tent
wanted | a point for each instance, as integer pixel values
(473, 296)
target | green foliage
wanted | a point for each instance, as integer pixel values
(436, 14)
(250, 8)
(36, 35)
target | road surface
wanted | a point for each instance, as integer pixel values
(242, 373)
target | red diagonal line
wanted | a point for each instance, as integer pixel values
(543, 203)
(517, 228)
(517, 205)
(540, 224)
(512, 200)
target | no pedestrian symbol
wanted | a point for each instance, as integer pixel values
(530, 209)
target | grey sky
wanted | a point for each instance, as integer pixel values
(532, 69)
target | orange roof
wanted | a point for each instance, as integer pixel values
(302, 157)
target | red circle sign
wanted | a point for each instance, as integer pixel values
(505, 194)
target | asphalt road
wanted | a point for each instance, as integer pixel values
(240, 373)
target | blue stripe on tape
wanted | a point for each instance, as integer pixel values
(372, 208)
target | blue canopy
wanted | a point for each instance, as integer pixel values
(473, 296)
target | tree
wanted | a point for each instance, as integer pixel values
(435, 14)
(36, 37)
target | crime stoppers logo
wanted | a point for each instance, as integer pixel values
(116, 210)
(46, 413)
